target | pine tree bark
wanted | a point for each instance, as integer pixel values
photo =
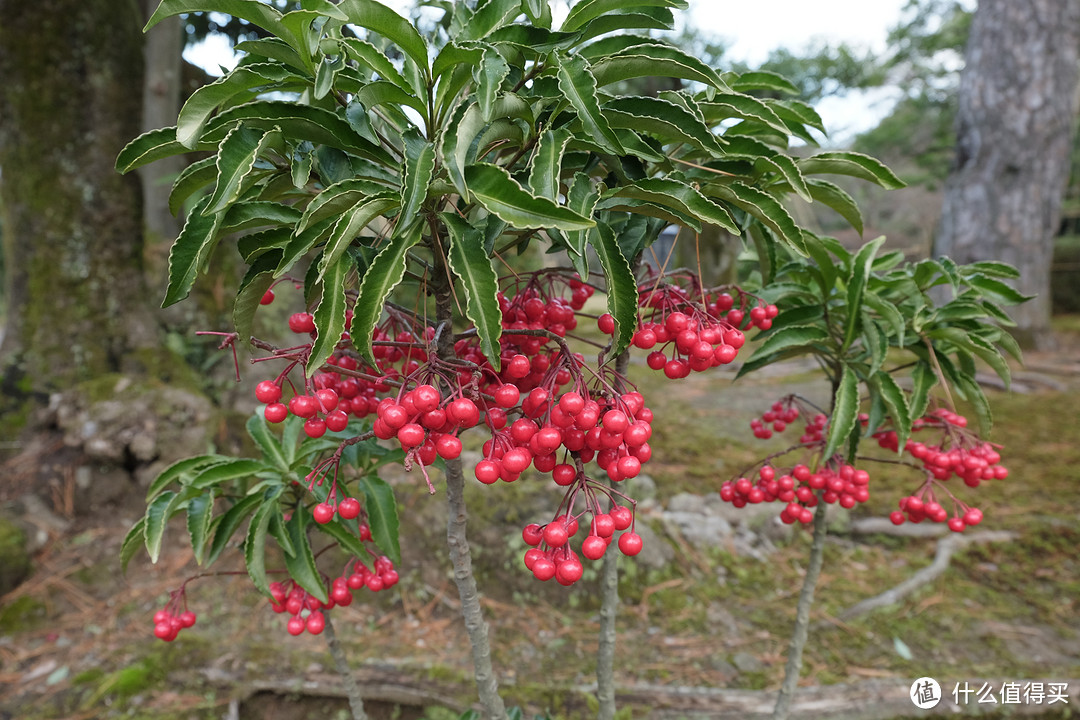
(70, 99)
(1015, 126)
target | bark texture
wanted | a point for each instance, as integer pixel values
(1015, 125)
(70, 100)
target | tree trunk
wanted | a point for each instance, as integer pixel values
(163, 56)
(70, 100)
(1015, 126)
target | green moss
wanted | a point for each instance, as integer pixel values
(23, 614)
(14, 558)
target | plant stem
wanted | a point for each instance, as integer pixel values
(802, 617)
(487, 685)
(609, 608)
(356, 703)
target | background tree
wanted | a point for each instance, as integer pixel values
(1015, 126)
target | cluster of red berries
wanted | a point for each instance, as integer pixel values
(550, 555)
(306, 610)
(800, 489)
(425, 423)
(170, 620)
(914, 509)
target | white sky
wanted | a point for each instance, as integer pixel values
(750, 29)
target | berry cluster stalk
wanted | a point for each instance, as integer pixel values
(609, 608)
(802, 617)
(356, 703)
(487, 685)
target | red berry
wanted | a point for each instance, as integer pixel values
(316, 623)
(349, 508)
(623, 517)
(507, 396)
(555, 534)
(543, 569)
(267, 298)
(304, 406)
(296, 625)
(532, 534)
(275, 412)
(487, 471)
(187, 619)
(327, 399)
(448, 447)
(569, 571)
(323, 513)
(267, 392)
(606, 323)
(337, 420)
(315, 427)
(630, 543)
(411, 435)
(593, 547)
(302, 322)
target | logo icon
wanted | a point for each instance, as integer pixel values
(925, 693)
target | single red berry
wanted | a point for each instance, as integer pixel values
(507, 396)
(323, 513)
(302, 322)
(316, 623)
(448, 447)
(623, 517)
(187, 618)
(296, 625)
(267, 392)
(487, 471)
(304, 406)
(630, 543)
(555, 534)
(532, 534)
(606, 323)
(349, 508)
(593, 547)
(315, 427)
(337, 420)
(411, 435)
(327, 399)
(164, 631)
(275, 412)
(543, 569)
(569, 571)
(267, 298)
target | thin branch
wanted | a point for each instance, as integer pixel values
(356, 702)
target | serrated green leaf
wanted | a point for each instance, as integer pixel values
(235, 161)
(622, 295)
(763, 80)
(158, 512)
(419, 169)
(472, 266)
(586, 10)
(255, 546)
(489, 76)
(383, 275)
(996, 289)
(330, 313)
(655, 60)
(853, 164)
(200, 510)
(324, 76)
(272, 48)
(454, 54)
(991, 268)
(664, 119)
(838, 199)
(349, 542)
(796, 336)
(371, 58)
(229, 523)
(896, 400)
(151, 146)
(989, 355)
(290, 433)
(764, 207)
(500, 194)
(301, 565)
(382, 515)
(545, 167)
(382, 20)
(644, 18)
(489, 16)
(582, 199)
(180, 469)
(223, 472)
(134, 540)
(257, 280)
(257, 213)
(875, 341)
(578, 86)
(259, 431)
(190, 251)
(974, 394)
(349, 226)
(277, 530)
(737, 105)
(257, 13)
(845, 411)
(191, 179)
(678, 196)
(244, 80)
(856, 287)
(923, 378)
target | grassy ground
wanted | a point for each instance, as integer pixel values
(75, 641)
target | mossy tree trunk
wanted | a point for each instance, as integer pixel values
(71, 98)
(1015, 125)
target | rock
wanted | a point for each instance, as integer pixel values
(15, 563)
(746, 662)
(641, 488)
(655, 553)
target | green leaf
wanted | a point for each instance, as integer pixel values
(578, 86)
(764, 80)
(874, 340)
(330, 313)
(896, 401)
(655, 60)
(199, 513)
(301, 565)
(845, 411)
(663, 119)
(258, 213)
(587, 10)
(853, 164)
(273, 49)
(132, 542)
(371, 58)
(179, 469)
(152, 146)
(489, 75)
(383, 275)
(991, 268)
(997, 289)
(229, 523)
(382, 20)
(974, 395)
(191, 179)
(641, 19)
(989, 355)
(349, 542)
(453, 54)
(489, 16)
(336, 199)
(923, 378)
(678, 196)
(726, 105)
(797, 336)
(545, 168)
(158, 512)
(888, 312)
(235, 161)
(582, 199)
(382, 515)
(764, 207)
(419, 169)
(257, 280)
(223, 472)
(278, 532)
(384, 92)
(349, 226)
(835, 197)
(502, 195)
(856, 286)
(622, 292)
(255, 546)
(259, 431)
(471, 264)
(257, 13)
(244, 80)
(325, 74)
(190, 251)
